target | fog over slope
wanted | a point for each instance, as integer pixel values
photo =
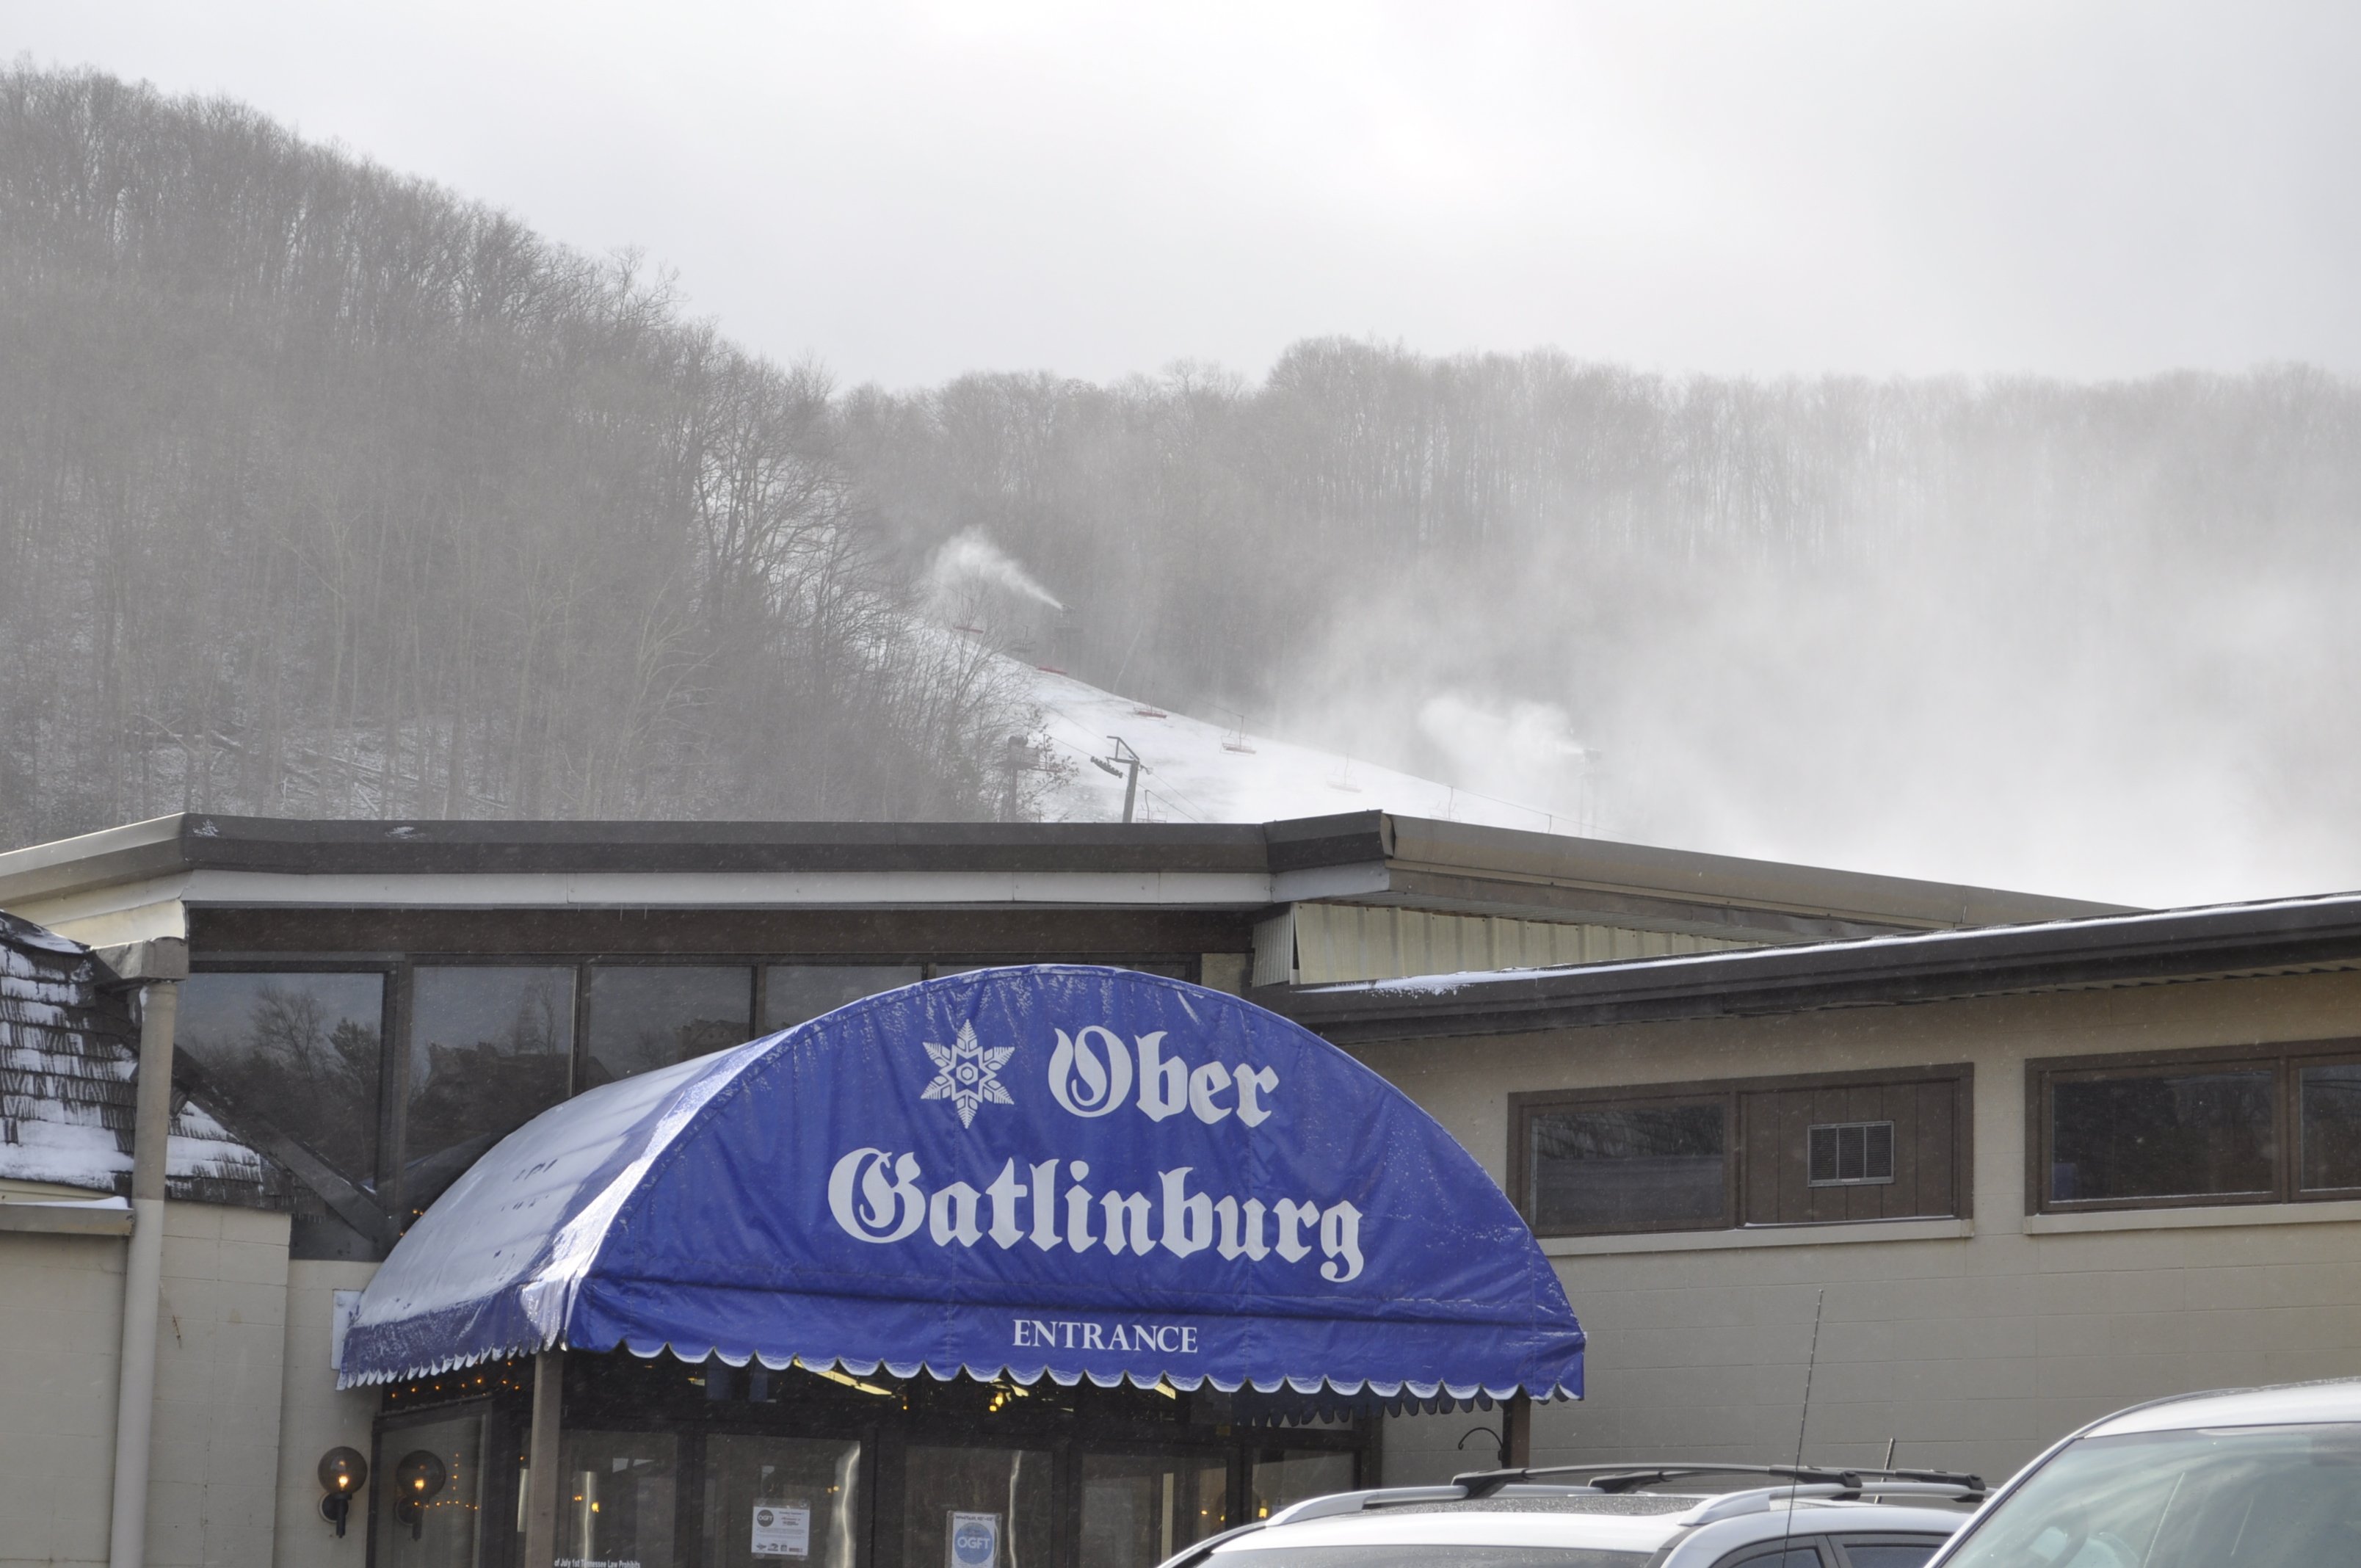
(2093, 640)
(322, 491)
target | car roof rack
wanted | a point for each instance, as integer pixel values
(1629, 1475)
(1336, 1503)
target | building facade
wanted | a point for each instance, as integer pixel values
(2021, 1160)
(2006, 1180)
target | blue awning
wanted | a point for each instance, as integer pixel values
(1049, 1171)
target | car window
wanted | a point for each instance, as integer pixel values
(1887, 1552)
(1785, 1554)
(2239, 1498)
(1424, 1556)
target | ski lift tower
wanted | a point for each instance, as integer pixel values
(1124, 763)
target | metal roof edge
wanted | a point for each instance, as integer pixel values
(1653, 871)
(125, 853)
(1370, 855)
(2203, 942)
(219, 843)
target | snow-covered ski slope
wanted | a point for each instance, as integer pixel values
(1197, 771)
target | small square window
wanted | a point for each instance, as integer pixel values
(1851, 1154)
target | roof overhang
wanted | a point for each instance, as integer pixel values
(2218, 941)
(195, 861)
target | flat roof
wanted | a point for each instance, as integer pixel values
(1364, 857)
(2210, 941)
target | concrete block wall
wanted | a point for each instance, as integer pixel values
(60, 1323)
(213, 1478)
(314, 1418)
(1970, 1343)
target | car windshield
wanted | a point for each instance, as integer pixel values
(1428, 1557)
(2233, 1497)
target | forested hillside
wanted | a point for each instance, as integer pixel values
(322, 491)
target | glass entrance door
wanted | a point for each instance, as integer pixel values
(769, 1499)
(977, 1508)
(615, 1499)
(735, 1469)
(1138, 1510)
(429, 1486)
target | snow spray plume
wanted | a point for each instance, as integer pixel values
(969, 560)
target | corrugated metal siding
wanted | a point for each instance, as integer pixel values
(1335, 942)
(1274, 950)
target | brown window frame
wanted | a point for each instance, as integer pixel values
(1523, 1106)
(2283, 1060)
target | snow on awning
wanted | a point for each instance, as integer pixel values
(1050, 1171)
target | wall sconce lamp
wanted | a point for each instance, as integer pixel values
(343, 1471)
(415, 1481)
(1488, 1432)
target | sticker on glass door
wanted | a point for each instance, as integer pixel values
(974, 1540)
(783, 1529)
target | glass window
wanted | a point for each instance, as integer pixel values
(430, 1479)
(1138, 1510)
(645, 1016)
(1845, 1153)
(1888, 1553)
(1282, 1476)
(2231, 1498)
(1261, 1556)
(2331, 1099)
(2161, 1135)
(1148, 966)
(299, 1050)
(772, 1497)
(976, 1507)
(490, 1048)
(615, 1498)
(1629, 1166)
(794, 992)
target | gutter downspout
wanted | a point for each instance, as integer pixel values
(157, 968)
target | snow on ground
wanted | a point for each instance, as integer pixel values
(1197, 771)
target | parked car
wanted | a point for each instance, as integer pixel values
(1612, 1516)
(2251, 1479)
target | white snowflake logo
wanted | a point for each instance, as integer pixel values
(967, 1075)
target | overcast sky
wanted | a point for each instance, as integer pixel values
(909, 191)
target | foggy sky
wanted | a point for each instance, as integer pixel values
(2088, 190)
(912, 191)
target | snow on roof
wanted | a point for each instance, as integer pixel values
(1195, 771)
(69, 1072)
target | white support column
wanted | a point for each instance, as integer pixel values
(541, 1461)
(160, 965)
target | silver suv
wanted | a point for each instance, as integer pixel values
(1612, 1516)
(2253, 1479)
